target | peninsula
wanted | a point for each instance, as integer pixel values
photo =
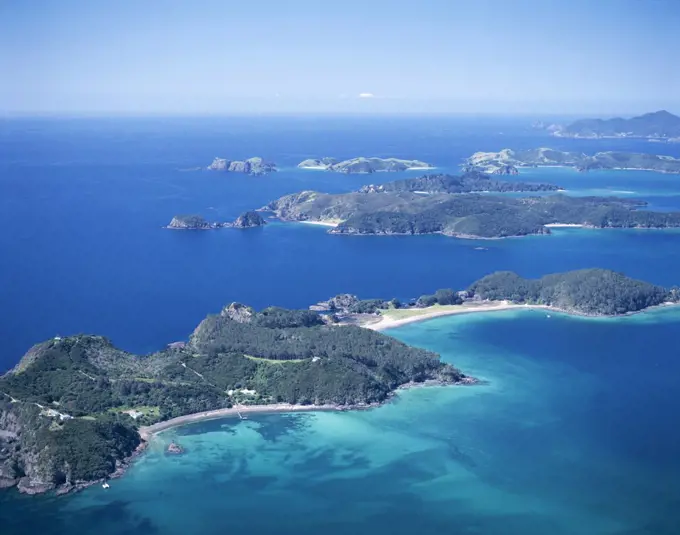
(76, 409)
(248, 219)
(363, 165)
(508, 161)
(252, 166)
(432, 205)
(586, 292)
(70, 410)
(657, 125)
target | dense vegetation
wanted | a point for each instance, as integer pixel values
(445, 296)
(494, 217)
(588, 291)
(394, 208)
(63, 408)
(469, 182)
(66, 410)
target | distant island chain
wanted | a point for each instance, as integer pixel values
(257, 166)
(656, 126)
(76, 410)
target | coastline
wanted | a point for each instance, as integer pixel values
(390, 323)
(147, 432)
(385, 322)
(323, 223)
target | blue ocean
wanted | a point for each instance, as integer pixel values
(575, 432)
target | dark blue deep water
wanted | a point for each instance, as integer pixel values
(82, 203)
(575, 433)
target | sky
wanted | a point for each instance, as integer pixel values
(338, 56)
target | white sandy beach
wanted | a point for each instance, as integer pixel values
(564, 225)
(321, 223)
(234, 412)
(389, 323)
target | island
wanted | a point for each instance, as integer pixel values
(508, 161)
(656, 125)
(75, 410)
(586, 292)
(72, 410)
(471, 181)
(363, 165)
(394, 209)
(191, 222)
(252, 166)
(248, 219)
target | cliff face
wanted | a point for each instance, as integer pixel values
(10, 429)
(191, 222)
(249, 220)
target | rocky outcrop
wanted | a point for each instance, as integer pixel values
(192, 222)
(252, 166)
(174, 449)
(238, 312)
(249, 219)
(505, 170)
(339, 303)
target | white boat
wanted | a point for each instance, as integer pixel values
(106, 485)
(547, 315)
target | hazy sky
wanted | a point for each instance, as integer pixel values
(196, 57)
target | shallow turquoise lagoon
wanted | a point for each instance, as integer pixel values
(575, 433)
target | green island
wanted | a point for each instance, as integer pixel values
(656, 125)
(507, 161)
(588, 292)
(433, 205)
(248, 219)
(70, 410)
(362, 165)
(76, 410)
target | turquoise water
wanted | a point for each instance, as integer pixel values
(574, 434)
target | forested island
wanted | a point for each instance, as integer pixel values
(248, 219)
(471, 181)
(363, 165)
(508, 161)
(596, 292)
(252, 166)
(432, 205)
(69, 411)
(656, 125)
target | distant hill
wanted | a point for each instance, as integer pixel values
(657, 125)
